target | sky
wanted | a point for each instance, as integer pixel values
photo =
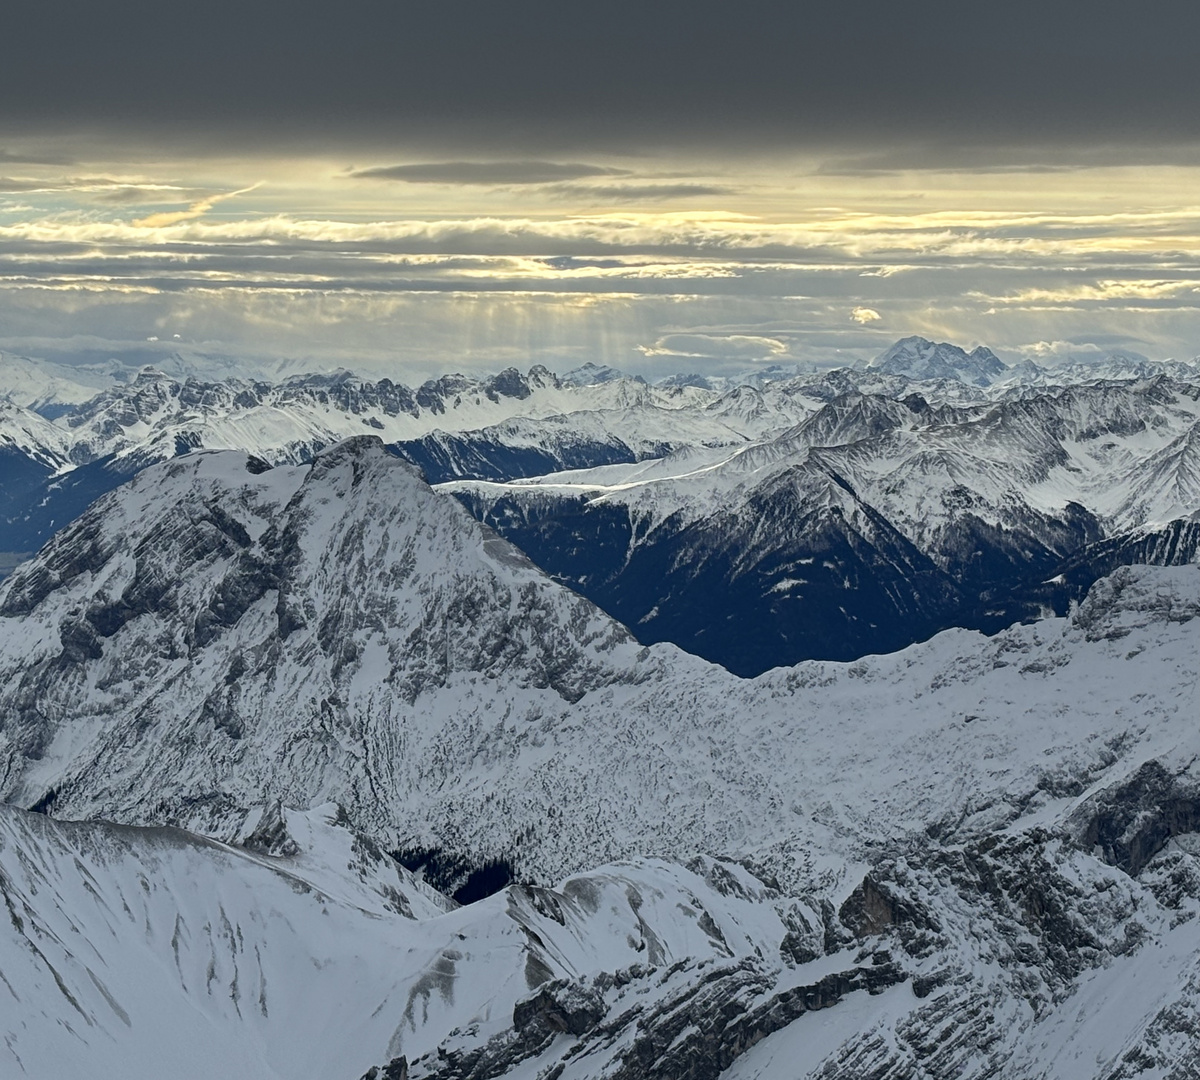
(410, 188)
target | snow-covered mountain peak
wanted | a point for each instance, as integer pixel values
(591, 374)
(32, 435)
(1090, 367)
(303, 587)
(919, 358)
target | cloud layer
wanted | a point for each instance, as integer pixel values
(486, 172)
(871, 76)
(249, 274)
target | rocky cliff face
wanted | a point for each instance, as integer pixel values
(217, 606)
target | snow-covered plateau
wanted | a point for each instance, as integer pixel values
(974, 857)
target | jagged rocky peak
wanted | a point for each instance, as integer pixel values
(852, 417)
(919, 358)
(691, 378)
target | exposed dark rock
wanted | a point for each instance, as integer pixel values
(560, 1006)
(1131, 822)
(396, 1069)
(694, 1034)
(872, 909)
(270, 835)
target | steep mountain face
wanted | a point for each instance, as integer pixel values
(801, 568)
(872, 523)
(524, 447)
(1175, 544)
(32, 454)
(243, 598)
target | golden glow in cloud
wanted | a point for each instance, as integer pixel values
(197, 209)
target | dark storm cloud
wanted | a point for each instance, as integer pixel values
(545, 75)
(552, 178)
(486, 172)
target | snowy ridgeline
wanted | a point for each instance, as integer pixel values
(871, 524)
(151, 415)
(974, 857)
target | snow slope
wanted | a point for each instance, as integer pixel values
(137, 953)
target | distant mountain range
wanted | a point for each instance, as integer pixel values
(872, 523)
(917, 358)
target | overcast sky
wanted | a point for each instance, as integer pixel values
(422, 187)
